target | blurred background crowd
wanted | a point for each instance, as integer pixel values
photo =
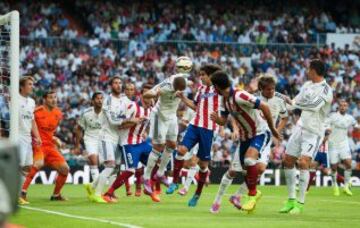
(75, 54)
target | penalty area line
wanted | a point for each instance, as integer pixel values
(81, 217)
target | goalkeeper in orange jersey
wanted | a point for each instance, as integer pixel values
(48, 117)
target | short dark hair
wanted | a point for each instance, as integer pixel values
(95, 95)
(220, 79)
(113, 79)
(318, 66)
(179, 83)
(266, 79)
(210, 68)
(144, 87)
(48, 92)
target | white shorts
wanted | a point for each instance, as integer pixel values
(163, 130)
(235, 160)
(25, 153)
(109, 152)
(192, 152)
(265, 154)
(303, 143)
(92, 147)
(339, 153)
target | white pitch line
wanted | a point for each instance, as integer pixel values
(81, 217)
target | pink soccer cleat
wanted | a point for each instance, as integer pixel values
(182, 192)
(235, 200)
(215, 208)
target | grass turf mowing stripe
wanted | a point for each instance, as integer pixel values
(81, 217)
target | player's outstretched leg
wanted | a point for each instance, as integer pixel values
(30, 176)
(121, 179)
(251, 181)
(347, 177)
(224, 185)
(189, 179)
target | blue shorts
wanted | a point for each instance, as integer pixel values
(322, 159)
(133, 154)
(202, 136)
(258, 142)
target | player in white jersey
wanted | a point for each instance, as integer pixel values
(200, 130)
(90, 122)
(254, 119)
(314, 99)
(163, 127)
(27, 128)
(115, 110)
(266, 86)
(339, 148)
(135, 147)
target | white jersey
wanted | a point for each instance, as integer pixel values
(243, 106)
(314, 100)
(168, 103)
(114, 109)
(91, 123)
(26, 116)
(277, 106)
(207, 101)
(339, 125)
(134, 135)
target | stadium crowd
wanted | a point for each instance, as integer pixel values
(76, 69)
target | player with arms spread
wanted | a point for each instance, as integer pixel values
(48, 117)
(314, 100)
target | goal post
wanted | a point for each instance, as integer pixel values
(9, 74)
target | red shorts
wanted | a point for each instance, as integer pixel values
(49, 155)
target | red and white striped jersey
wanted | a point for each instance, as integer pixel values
(324, 147)
(134, 135)
(243, 106)
(207, 100)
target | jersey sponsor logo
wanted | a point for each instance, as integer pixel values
(207, 95)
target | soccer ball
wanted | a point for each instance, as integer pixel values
(183, 64)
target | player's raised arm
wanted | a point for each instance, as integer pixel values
(191, 104)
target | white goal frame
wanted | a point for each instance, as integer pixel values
(14, 19)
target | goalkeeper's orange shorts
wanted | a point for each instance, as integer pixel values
(49, 155)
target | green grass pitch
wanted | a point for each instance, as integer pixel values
(321, 210)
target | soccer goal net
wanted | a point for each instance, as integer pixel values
(9, 76)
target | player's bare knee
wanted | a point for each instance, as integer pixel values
(182, 150)
(159, 147)
(289, 162)
(231, 173)
(347, 164)
(304, 162)
(261, 168)
(64, 169)
(38, 164)
(109, 164)
(171, 144)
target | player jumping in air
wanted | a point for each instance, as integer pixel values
(314, 99)
(254, 119)
(163, 128)
(200, 130)
(48, 117)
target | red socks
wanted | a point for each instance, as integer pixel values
(59, 183)
(251, 179)
(29, 178)
(178, 164)
(201, 182)
(120, 180)
(340, 179)
(311, 179)
(138, 175)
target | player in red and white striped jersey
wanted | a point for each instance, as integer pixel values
(135, 147)
(200, 130)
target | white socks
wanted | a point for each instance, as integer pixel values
(224, 185)
(303, 184)
(94, 172)
(334, 179)
(290, 176)
(190, 177)
(347, 176)
(153, 158)
(103, 177)
(165, 158)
